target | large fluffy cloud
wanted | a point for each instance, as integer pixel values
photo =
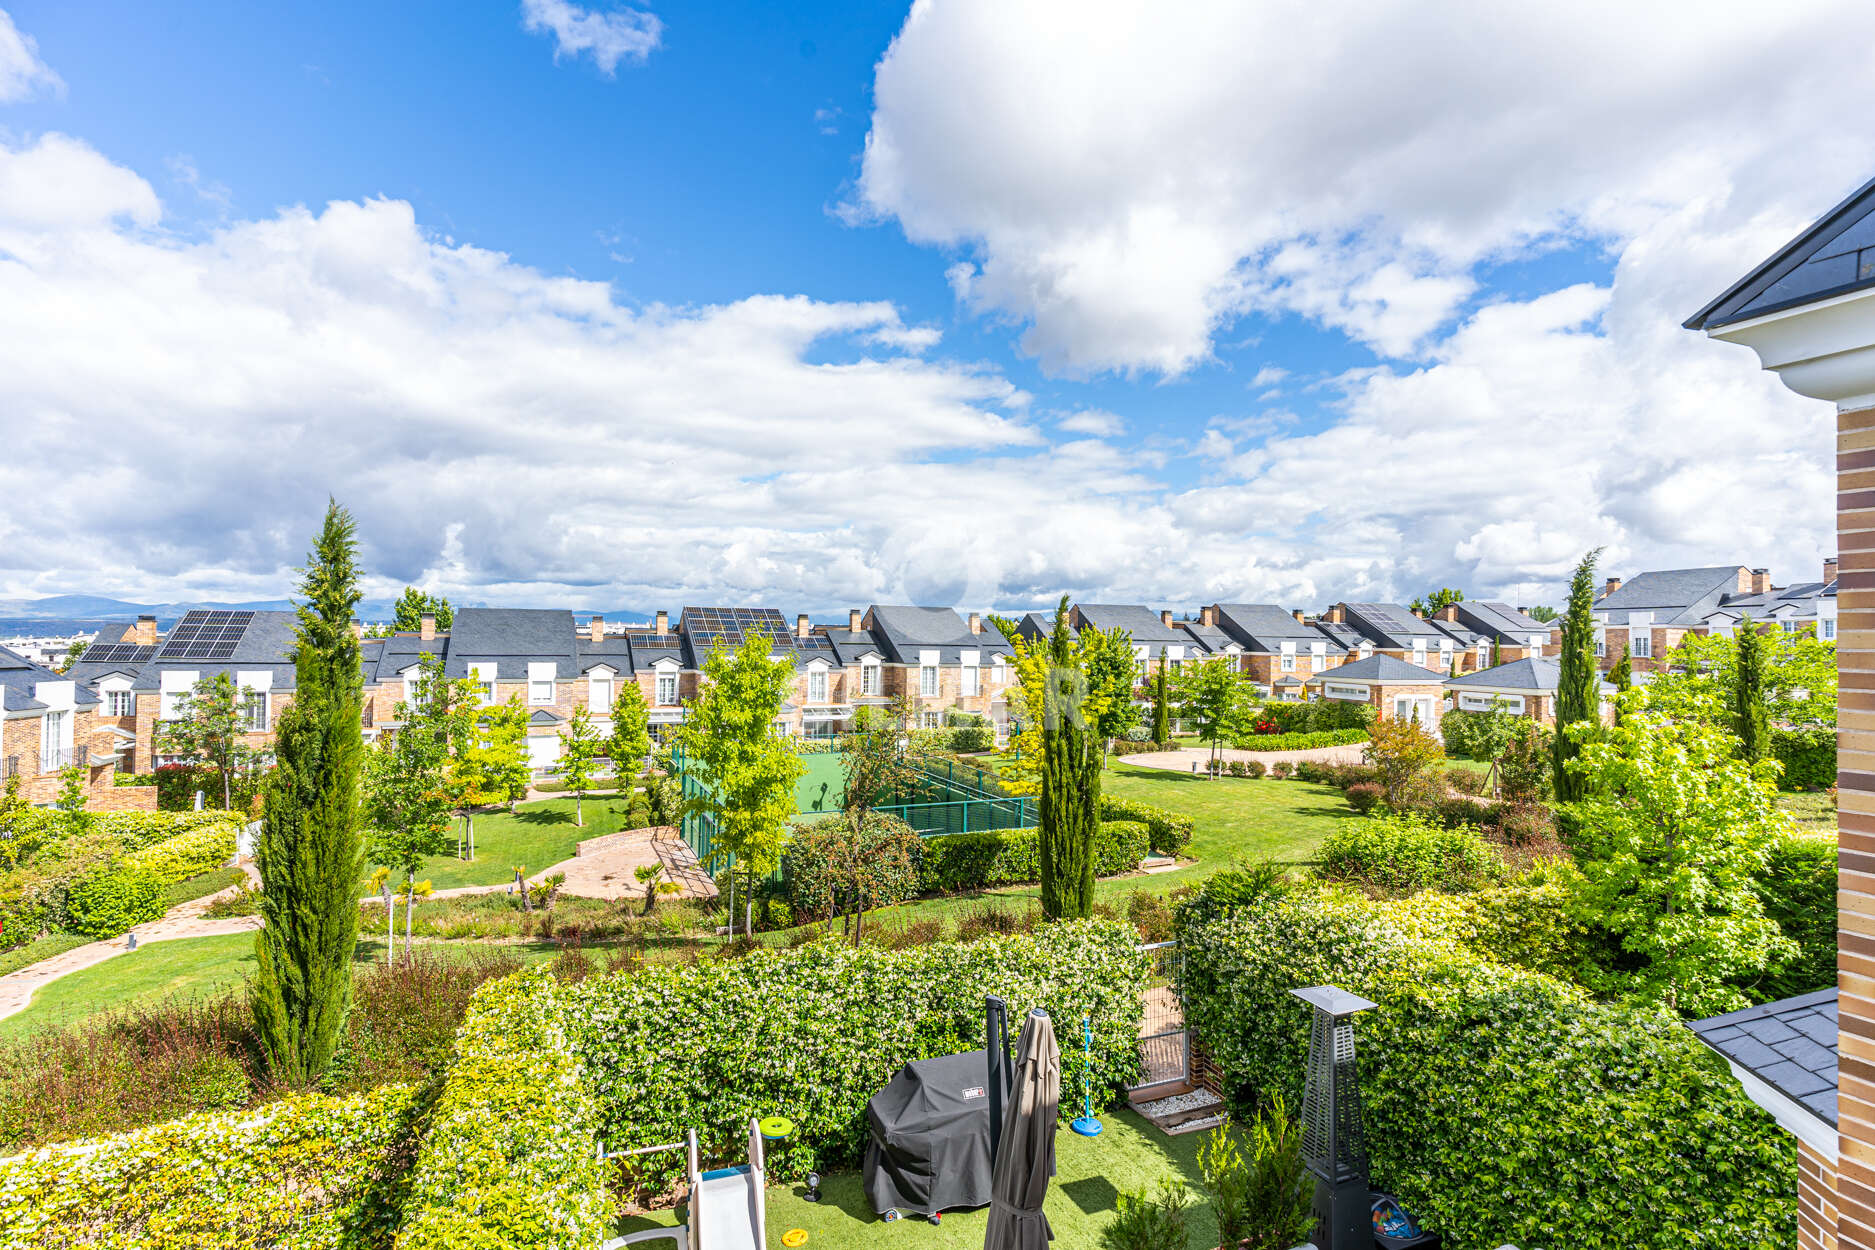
(1124, 176)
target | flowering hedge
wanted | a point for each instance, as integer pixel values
(509, 1159)
(1502, 1105)
(1168, 831)
(814, 1032)
(310, 1171)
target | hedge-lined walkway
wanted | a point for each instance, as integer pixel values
(185, 920)
(1183, 759)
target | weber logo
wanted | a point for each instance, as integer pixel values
(975, 1091)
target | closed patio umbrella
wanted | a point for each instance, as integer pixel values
(1025, 1152)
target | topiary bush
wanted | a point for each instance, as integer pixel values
(814, 1032)
(1299, 741)
(187, 854)
(1170, 831)
(974, 861)
(1365, 796)
(1502, 1105)
(108, 903)
(1403, 851)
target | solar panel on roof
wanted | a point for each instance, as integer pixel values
(206, 635)
(118, 653)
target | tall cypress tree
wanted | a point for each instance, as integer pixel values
(1749, 718)
(1621, 676)
(1070, 797)
(1577, 682)
(311, 848)
(1161, 708)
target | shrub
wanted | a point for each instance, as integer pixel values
(1150, 914)
(187, 854)
(133, 780)
(1300, 741)
(1317, 716)
(108, 903)
(1404, 851)
(308, 1171)
(828, 868)
(1455, 810)
(1466, 780)
(1139, 733)
(1281, 770)
(1342, 776)
(1808, 757)
(1170, 831)
(970, 733)
(1525, 824)
(509, 1160)
(1501, 1104)
(1365, 796)
(817, 1030)
(1797, 887)
(1148, 1219)
(1260, 1193)
(1255, 768)
(973, 861)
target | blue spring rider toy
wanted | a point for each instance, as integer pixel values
(1085, 1124)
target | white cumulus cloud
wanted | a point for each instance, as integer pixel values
(619, 34)
(21, 71)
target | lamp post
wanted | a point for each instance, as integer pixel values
(1334, 1146)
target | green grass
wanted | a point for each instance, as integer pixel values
(534, 835)
(1811, 809)
(1090, 1172)
(213, 881)
(39, 948)
(202, 967)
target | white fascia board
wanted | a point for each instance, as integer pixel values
(1799, 1121)
(1825, 350)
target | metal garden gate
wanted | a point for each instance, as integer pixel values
(1164, 1046)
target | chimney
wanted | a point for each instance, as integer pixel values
(852, 620)
(976, 622)
(1760, 581)
(1297, 613)
(1522, 611)
(1829, 568)
(144, 632)
(1420, 613)
(1208, 616)
(1336, 615)
(595, 628)
(1165, 617)
(800, 625)
(1449, 612)
(663, 622)
(358, 628)
(427, 626)
(1610, 586)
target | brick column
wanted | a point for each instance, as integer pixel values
(1855, 776)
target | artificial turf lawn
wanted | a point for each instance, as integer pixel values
(1090, 1172)
(203, 966)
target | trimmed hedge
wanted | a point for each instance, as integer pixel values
(310, 1171)
(187, 854)
(812, 1033)
(1797, 887)
(509, 1160)
(36, 894)
(1405, 851)
(972, 861)
(1169, 831)
(1315, 715)
(1502, 1105)
(108, 903)
(1300, 741)
(1808, 757)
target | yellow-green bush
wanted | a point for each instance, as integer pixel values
(187, 854)
(310, 1172)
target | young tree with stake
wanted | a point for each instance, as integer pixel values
(408, 803)
(580, 745)
(211, 729)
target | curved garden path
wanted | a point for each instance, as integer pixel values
(1192, 759)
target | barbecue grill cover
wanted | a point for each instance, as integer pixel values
(929, 1146)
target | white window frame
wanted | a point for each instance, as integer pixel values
(971, 681)
(930, 720)
(51, 739)
(1419, 652)
(665, 696)
(252, 702)
(1484, 654)
(816, 685)
(120, 702)
(540, 682)
(1826, 628)
(1347, 694)
(928, 681)
(1601, 647)
(1641, 644)
(1289, 662)
(870, 678)
(1475, 701)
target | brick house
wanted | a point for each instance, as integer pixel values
(1395, 689)
(1652, 612)
(144, 678)
(1411, 637)
(1795, 608)
(49, 723)
(1526, 687)
(1516, 636)
(937, 660)
(1157, 638)
(1281, 649)
(1809, 313)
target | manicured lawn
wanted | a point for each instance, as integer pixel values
(533, 836)
(37, 949)
(1811, 809)
(204, 966)
(1089, 1173)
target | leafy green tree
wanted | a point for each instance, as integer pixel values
(74, 654)
(631, 730)
(876, 760)
(1749, 720)
(1797, 685)
(1578, 682)
(1211, 694)
(310, 851)
(413, 604)
(1162, 708)
(1070, 778)
(1430, 604)
(71, 798)
(1405, 756)
(1112, 674)
(580, 745)
(1671, 835)
(745, 769)
(480, 760)
(1621, 676)
(1541, 613)
(210, 728)
(408, 803)
(1497, 652)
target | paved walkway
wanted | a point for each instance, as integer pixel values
(1192, 759)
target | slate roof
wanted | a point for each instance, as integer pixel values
(1380, 668)
(1688, 594)
(1145, 626)
(399, 652)
(1832, 256)
(513, 638)
(902, 632)
(615, 650)
(1207, 638)
(1499, 621)
(1040, 625)
(1341, 634)
(1790, 1045)
(1799, 599)
(1264, 627)
(1390, 624)
(19, 675)
(266, 645)
(1539, 676)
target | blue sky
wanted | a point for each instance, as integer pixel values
(1325, 341)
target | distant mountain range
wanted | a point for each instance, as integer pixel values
(72, 614)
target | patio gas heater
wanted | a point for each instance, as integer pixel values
(1334, 1147)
